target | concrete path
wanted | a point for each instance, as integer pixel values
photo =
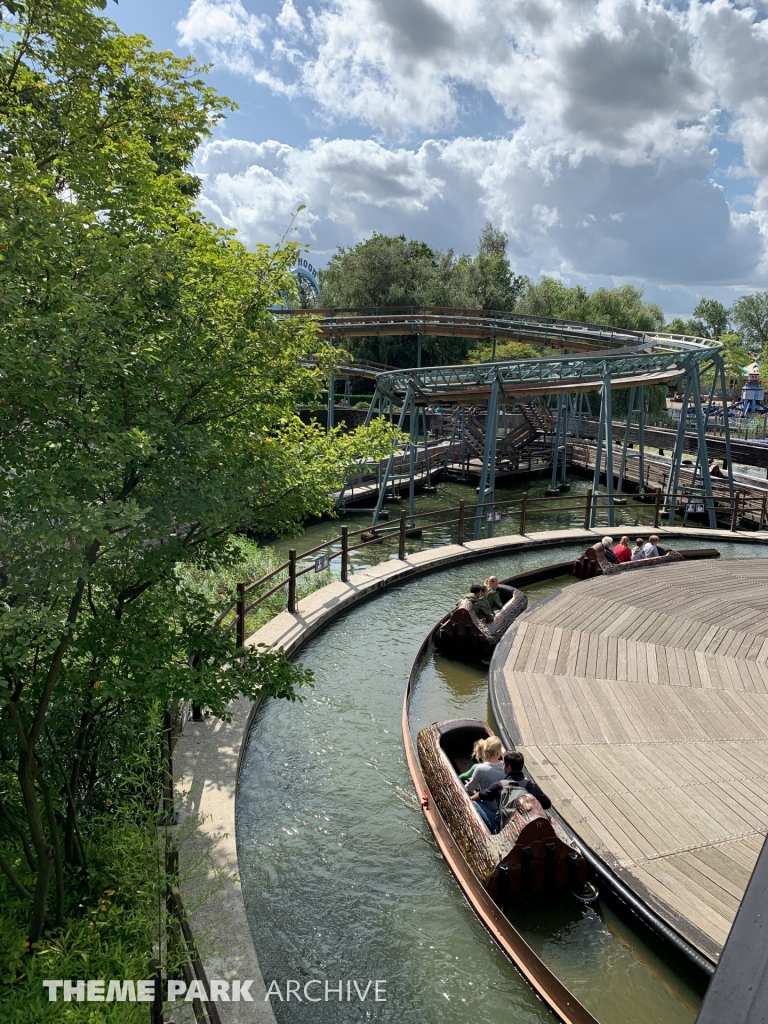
(208, 753)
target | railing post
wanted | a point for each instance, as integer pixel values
(735, 514)
(523, 509)
(460, 535)
(588, 509)
(401, 545)
(240, 612)
(762, 511)
(344, 553)
(292, 580)
(656, 508)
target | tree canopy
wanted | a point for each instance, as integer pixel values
(147, 414)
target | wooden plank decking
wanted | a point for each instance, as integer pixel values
(641, 704)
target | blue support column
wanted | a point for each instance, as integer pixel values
(630, 413)
(703, 457)
(719, 363)
(391, 460)
(556, 445)
(608, 418)
(598, 462)
(563, 471)
(677, 453)
(488, 473)
(641, 436)
(413, 423)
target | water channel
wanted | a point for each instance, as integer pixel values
(341, 876)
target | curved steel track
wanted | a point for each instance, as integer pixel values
(594, 353)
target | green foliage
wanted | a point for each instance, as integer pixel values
(750, 316)
(245, 562)
(504, 350)
(615, 307)
(385, 271)
(655, 402)
(714, 315)
(112, 911)
(147, 414)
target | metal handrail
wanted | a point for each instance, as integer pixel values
(524, 507)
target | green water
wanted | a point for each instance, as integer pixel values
(341, 876)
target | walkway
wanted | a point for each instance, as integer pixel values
(641, 703)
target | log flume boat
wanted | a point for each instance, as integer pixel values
(530, 850)
(533, 854)
(463, 635)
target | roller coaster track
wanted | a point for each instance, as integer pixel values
(592, 353)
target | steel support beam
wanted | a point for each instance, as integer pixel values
(641, 436)
(630, 413)
(488, 473)
(598, 462)
(391, 459)
(677, 452)
(703, 457)
(608, 426)
(413, 424)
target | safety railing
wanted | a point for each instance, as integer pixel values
(590, 508)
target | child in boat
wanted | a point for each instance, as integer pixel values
(478, 756)
(623, 551)
(650, 550)
(494, 597)
(637, 550)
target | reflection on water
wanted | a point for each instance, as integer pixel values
(341, 876)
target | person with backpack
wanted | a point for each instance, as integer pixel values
(505, 793)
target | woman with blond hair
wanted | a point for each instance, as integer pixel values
(478, 756)
(492, 766)
(493, 596)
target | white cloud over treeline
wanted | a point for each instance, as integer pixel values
(611, 113)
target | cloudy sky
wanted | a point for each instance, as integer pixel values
(613, 140)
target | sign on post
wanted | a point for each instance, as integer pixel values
(322, 562)
(493, 517)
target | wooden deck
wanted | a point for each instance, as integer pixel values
(641, 704)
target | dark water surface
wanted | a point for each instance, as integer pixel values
(341, 876)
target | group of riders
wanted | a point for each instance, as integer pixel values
(485, 599)
(496, 781)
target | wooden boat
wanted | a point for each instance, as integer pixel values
(463, 634)
(594, 563)
(488, 898)
(530, 855)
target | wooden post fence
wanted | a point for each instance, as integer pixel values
(344, 553)
(656, 508)
(292, 581)
(460, 536)
(523, 510)
(587, 510)
(401, 543)
(240, 612)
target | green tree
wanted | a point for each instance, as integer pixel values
(615, 307)
(146, 416)
(487, 281)
(713, 315)
(750, 316)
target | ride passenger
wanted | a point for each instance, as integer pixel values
(514, 780)
(637, 550)
(478, 595)
(623, 551)
(494, 597)
(608, 549)
(490, 770)
(478, 756)
(650, 549)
